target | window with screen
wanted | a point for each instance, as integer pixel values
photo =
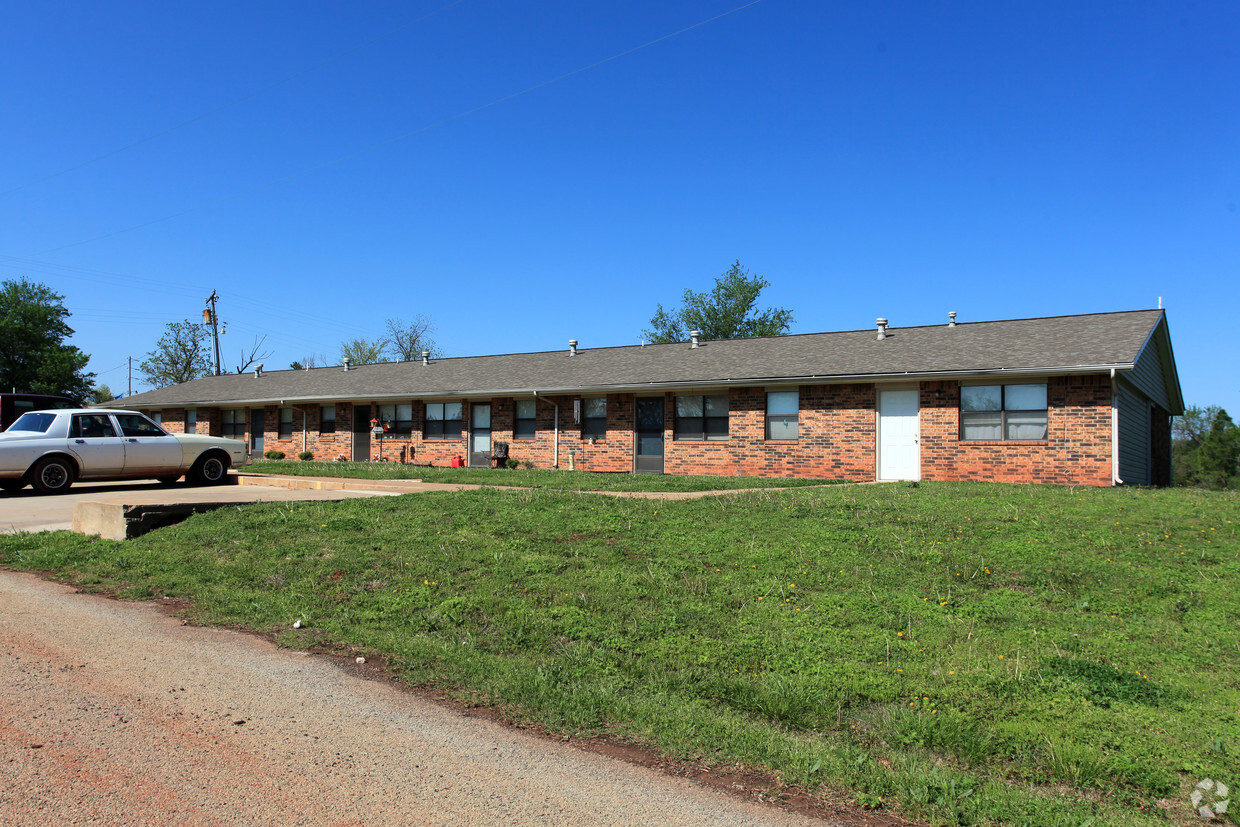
(525, 427)
(1003, 412)
(702, 417)
(443, 420)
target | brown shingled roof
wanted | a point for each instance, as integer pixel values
(1054, 344)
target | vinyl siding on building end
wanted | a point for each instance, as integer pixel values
(1148, 374)
(1134, 436)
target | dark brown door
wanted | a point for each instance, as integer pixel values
(649, 436)
(361, 433)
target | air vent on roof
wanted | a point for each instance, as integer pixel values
(346, 362)
(694, 335)
(882, 328)
(258, 369)
(426, 357)
(572, 347)
(952, 317)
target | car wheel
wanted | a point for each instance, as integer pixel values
(52, 475)
(209, 470)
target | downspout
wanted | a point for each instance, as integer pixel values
(555, 457)
(1115, 479)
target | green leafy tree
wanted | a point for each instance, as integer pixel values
(364, 351)
(1205, 449)
(726, 312)
(100, 394)
(181, 355)
(34, 357)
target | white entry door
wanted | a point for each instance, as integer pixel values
(899, 435)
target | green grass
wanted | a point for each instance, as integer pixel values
(555, 480)
(956, 653)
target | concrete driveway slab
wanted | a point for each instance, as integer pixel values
(27, 510)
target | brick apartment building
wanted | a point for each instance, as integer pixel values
(1081, 400)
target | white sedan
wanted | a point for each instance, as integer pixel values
(51, 449)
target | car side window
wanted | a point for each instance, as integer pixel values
(92, 425)
(137, 425)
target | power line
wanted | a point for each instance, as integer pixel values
(373, 147)
(231, 103)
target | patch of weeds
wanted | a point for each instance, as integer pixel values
(1101, 683)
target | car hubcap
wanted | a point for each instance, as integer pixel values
(53, 476)
(213, 469)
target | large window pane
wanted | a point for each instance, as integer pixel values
(782, 403)
(1026, 425)
(981, 398)
(781, 427)
(1024, 398)
(688, 406)
(982, 425)
(327, 419)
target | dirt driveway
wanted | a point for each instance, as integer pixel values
(116, 713)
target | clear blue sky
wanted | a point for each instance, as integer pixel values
(325, 166)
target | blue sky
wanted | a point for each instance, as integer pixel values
(525, 173)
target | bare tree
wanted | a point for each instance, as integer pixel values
(407, 340)
(310, 360)
(180, 355)
(254, 355)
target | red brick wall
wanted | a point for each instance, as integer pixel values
(837, 436)
(835, 431)
(1077, 450)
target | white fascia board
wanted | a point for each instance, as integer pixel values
(695, 384)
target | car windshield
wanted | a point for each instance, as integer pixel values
(37, 423)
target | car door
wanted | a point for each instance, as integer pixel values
(149, 449)
(96, 445)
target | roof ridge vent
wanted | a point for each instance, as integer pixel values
(572, 347)
(952, 319)
(882, 327)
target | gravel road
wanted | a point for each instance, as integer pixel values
(115, 713)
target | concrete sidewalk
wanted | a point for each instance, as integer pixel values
(27, 510)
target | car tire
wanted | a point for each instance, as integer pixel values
(210, 469)
(52, 475)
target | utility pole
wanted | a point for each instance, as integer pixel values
(209, 316)
(130, 377)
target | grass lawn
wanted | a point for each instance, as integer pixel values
(557, 480)
(954, 653)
